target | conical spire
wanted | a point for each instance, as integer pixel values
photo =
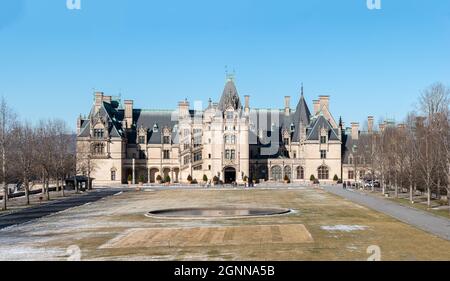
(302, 113)
(230, 96)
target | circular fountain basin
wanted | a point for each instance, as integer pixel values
(205, 213)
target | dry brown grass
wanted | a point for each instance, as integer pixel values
(104, 230)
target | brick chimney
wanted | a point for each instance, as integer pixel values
(183, 109)
(370, 120)
(129, 113)
(324, 101)
(287, 105)
(247, 104)
(355, 130)
(107, 99)
(98, 100)
(79, 124)
(316, 104)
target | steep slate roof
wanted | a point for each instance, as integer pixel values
(147, 119)
(347, 147)
(109, 112)
(230, 97)
(302, 117)
(302, 113)
(319, 123)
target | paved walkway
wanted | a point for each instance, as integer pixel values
(33, 213)
(438, 226)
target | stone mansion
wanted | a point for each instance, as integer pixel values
(229, 140)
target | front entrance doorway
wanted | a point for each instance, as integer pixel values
(230, 175)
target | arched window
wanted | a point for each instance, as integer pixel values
(288, 172)
(323, 173)
(300, 173)
(277, 173)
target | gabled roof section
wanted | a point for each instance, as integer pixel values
(111, 114)
(148, 119)
(319, 124)
(230, 97)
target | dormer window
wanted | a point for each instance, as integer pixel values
(155, 128)
(230, 115)
(166, 140)
(99, 133)
(292, 127)
(141, 139)
(323, 139)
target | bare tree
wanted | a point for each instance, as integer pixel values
(434, 103)
(45, 153)
(7, 119)
(64, 152)
(25, 140)
(410, 161)
(85, 163)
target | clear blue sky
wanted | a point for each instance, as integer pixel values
(159, 52)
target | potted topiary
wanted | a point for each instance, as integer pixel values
(167, 180)
(141, 180)
(130, 179)
(205, 179)
(194, 181)
(189, 179)
(254, 181)
(159, 179)
(312, 178)
(286, 179)
(336, 179)
(216, 180)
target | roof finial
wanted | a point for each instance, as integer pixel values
(302, 89)
(229, 76)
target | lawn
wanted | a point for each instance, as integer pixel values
(322, 227)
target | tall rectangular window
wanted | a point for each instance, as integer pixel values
(351, 175)
(323, 154)
(323, 139)
(166, 154)
(113, 175)
(197, 156)
(141, 140)
(166, 140)
(197, 141)
(186, 160)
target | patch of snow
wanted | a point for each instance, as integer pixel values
(344, 228)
